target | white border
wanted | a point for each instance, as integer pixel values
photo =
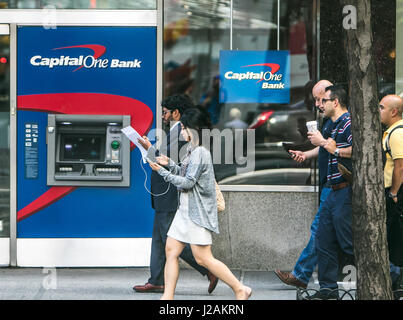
(267, 188)
(4, 252)
(4, 29)
(98, 252)
(13, 144)
(160, 65)
(80, 17)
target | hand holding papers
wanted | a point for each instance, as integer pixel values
(133, 136)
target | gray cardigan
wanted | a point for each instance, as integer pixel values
(200, 182)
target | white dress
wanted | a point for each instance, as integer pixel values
(184, 229)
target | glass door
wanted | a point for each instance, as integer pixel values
(4, 145)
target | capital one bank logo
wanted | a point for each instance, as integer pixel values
(253, 76)
(90, 61)
(265, 78)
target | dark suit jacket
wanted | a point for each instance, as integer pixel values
(170, 147)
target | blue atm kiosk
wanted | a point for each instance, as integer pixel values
(81, 199)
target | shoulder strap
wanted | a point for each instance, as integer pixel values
(388, 138)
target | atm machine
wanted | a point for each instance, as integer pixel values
(87, 150)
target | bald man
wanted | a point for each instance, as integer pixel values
(391, 108)
(307, 261)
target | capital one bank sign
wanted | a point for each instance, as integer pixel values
(254, 77)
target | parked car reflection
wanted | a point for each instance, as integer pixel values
(285, 176)
(278, 128)
(279, 123)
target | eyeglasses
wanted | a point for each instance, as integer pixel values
(324, 100)
(164, 112)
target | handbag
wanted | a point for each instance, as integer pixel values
(220, 198)
(345, 173)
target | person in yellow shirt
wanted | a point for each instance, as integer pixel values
(391, 108)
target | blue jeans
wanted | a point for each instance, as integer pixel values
(394, 272)
(334, 230)
(308, 259)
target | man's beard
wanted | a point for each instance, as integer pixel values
(166, 126)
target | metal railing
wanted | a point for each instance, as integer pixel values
(337, 294)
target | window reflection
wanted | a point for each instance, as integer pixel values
(80, 4)
(385, 39)
(386, 17)
(397, 54)
(4, 136)
(193, 37)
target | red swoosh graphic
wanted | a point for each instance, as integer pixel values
(98, 50)
(273, 66)
(81, 103)
(45, 200)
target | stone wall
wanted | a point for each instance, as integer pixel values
(264, 230)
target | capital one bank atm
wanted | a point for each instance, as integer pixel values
(81, 184)
(88, 150)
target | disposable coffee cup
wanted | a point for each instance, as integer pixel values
(312, 126)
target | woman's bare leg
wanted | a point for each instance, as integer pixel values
(173, 249)
(204, 257)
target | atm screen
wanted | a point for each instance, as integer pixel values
(87, 147)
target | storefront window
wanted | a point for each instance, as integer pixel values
(193, 37)
(398, 54)
(4, 136)
(333, 54)
(80, 4)
(384, 36)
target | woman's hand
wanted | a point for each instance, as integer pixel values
(162, 160)
(154, 165)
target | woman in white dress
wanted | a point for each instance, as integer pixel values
(196, 216)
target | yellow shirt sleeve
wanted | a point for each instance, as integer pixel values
(396, 144)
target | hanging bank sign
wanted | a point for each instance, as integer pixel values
(254, 77)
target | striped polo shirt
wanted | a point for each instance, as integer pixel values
(341, 133)
(323, 156)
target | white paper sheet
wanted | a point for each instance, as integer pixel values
(133, 135)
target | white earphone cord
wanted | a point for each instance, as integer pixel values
(145, 182)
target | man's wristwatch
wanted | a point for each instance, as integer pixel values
(337, 152)
(392, 195)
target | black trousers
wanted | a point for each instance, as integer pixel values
(162, 222)
(394, 227)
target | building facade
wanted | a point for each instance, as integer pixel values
(134, 53)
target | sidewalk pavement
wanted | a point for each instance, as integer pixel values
(117, 283)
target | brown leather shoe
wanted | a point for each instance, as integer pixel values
(148, 287)
(288, 278)
(213, 282)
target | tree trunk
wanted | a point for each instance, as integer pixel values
(369, 214)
